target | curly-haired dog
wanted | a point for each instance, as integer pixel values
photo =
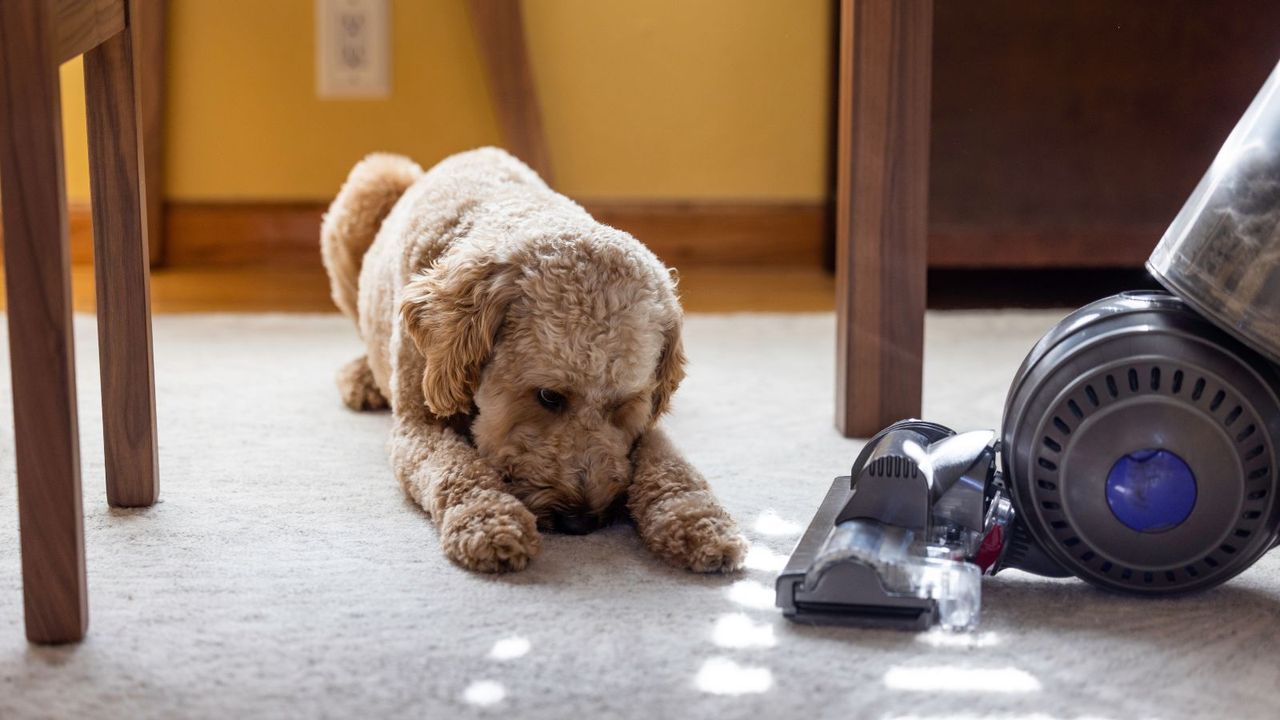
(526, 351)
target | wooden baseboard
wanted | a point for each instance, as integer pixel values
(80, 231)
(688, 233)
(715, 233)
(681, 233)
(232, 234)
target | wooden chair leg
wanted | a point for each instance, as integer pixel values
(499, 31)
(881, 210)
(122, 265)
(40, 333)
(147, 22)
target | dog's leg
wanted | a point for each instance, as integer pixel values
(482, 527)
(359, 391)
(677, 516)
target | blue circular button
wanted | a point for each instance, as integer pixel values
(1151, 490)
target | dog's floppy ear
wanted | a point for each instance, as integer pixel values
(670, 369)
(453, 312)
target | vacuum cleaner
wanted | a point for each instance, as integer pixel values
(1138, 447)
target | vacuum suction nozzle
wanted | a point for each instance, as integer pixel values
(892, 544)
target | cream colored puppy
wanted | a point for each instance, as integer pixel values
(526, 352)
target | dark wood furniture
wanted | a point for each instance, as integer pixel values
(882, 173)
(35, 37)
(1068, 134)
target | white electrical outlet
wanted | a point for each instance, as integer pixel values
(353, 48)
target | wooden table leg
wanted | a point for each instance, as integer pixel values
(40, 341)
(122, 266)
(881, 210)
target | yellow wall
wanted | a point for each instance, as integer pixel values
(642, 99)
(75, 143)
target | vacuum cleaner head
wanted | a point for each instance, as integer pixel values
(1139, 454)
(890, 545)
(1139, 444)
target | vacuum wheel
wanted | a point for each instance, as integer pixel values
(1140, 447)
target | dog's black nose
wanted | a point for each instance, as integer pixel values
(574, 523)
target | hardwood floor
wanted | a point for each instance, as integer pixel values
(187, 290)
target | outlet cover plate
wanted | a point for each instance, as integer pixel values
(353, 49)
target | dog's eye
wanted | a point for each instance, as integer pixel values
(550, 399)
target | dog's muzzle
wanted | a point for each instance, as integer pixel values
(574, 523)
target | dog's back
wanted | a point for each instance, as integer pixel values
(372, 188)
(363, 207)
(391, 220)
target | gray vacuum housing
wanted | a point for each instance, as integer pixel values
(1130, 373)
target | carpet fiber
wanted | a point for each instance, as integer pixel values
(283, 574)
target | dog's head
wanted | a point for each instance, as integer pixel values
(567, 349)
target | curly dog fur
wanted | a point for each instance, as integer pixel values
(526, 351)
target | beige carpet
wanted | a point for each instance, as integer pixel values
(283, 575)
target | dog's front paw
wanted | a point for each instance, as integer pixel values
(490, 533)
(693, 532)
(715, 546)
(358, 388)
